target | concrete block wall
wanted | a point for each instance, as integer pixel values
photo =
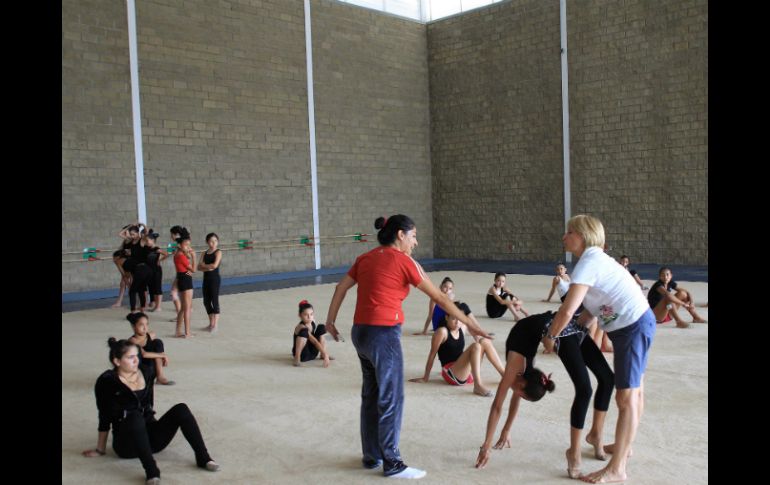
(224, 98)
(457, 123)
(638, 98)
(98, 188)
(496, 148)
(638, 85)
(372, 124)
(225, 129)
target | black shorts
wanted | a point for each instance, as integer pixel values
(184, 282)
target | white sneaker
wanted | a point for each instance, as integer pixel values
(409, 472)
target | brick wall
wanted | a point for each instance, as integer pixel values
(638, 92)
(98, 178)
(638, 85)
(372, 124)
(224, 118)
(457, 124)
(224, 100)
(496, 150)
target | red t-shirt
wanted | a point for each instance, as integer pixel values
(383, 276)
(182, 262)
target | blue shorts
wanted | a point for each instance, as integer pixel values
(630, 348)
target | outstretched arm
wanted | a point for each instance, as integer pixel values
(431, 308)
(334, 307)
(553, 288)
(438, 338)
(513, 367)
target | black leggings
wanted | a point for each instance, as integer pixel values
(211, 282)
(134, 437)
(141, 278)
(577, 359)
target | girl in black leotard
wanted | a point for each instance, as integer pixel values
(577, 352)
(209, 264)
(130, 234)
(152, 349)
(155, 257)
(308, 338)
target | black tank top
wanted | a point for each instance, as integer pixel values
(153, 255)
(452, 349)
(209, 259)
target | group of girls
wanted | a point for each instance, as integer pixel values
(139, 261)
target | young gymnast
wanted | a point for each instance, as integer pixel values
(520, 376)
(460, 366)
(176, 233)
(500, 299)
(209, 263)
(155, 257)
(307, 332)
(125, 402)
(560, 283)
(579, 354)
(625, 261)
(152, 349)
(130, 234)
(436, 314)
(184, 261)
(665, 298)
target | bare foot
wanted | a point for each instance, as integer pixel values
(683, 325)
(611, 449)
(155, 309)
(180, 336)
(596, 442)
(698, 320)
(189, 335)
(482, 391)
(165, 381)
(604, 476)
(573, 464)
(116, 305)
(297, 364)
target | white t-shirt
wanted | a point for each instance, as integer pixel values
(613, 295)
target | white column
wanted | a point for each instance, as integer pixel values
(565, 118)
(141, 204)
(311, 129)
